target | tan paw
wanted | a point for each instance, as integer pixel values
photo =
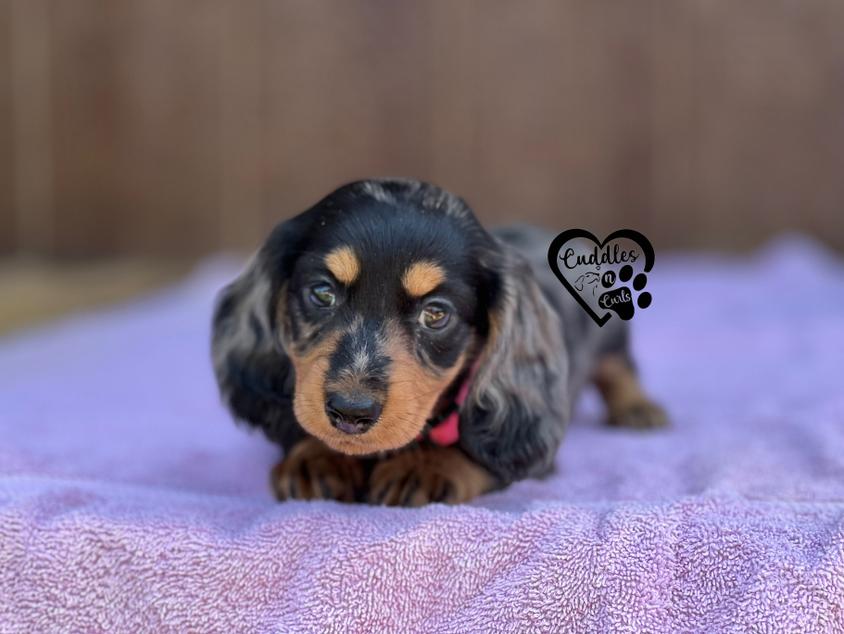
(419, 475)
(639, 414)
(312, 471)
(628, 405)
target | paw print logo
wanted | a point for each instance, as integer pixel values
(599, 274)
(620, 300)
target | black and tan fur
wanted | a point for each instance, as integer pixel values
(387, 250)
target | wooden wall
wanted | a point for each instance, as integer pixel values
(173, 127)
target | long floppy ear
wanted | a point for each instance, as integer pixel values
(253, 372)
(517, 409)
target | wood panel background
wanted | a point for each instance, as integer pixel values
(180, 127)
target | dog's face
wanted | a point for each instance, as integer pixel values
(379, 314)
(361, 318)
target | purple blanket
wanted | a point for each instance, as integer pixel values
(130, 502)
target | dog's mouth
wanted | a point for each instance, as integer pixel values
(386, 433)
(354, 446)
(353, 418)
(356, 428)
(356, 437)
(352, 428)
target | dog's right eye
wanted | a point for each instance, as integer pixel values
(322, 295)
(435, 316)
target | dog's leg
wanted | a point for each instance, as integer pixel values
(421, 474)
(627, 403)
(313, 471)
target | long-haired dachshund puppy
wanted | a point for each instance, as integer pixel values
(401, 354)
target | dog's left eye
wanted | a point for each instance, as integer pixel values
(435, 316)
(322, 296)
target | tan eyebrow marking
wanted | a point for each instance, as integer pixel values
(343, 264)
(422, 277)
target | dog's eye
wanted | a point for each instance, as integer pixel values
(434, 316)
(322, 295)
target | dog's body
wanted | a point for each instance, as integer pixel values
(379, 311)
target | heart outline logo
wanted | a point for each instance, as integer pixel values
(571, 234)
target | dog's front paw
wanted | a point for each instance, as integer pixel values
(419, 475)
(313, 471)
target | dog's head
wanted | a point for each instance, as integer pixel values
(381, 298)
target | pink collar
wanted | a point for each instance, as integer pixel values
(447, 431)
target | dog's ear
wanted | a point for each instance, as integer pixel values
(514, 417)
(253, 372)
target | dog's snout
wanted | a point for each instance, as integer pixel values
(352, 414)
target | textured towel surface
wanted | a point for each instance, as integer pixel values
(129, 502)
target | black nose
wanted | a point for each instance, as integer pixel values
(351, 414)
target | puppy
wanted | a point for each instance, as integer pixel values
(401, 354)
